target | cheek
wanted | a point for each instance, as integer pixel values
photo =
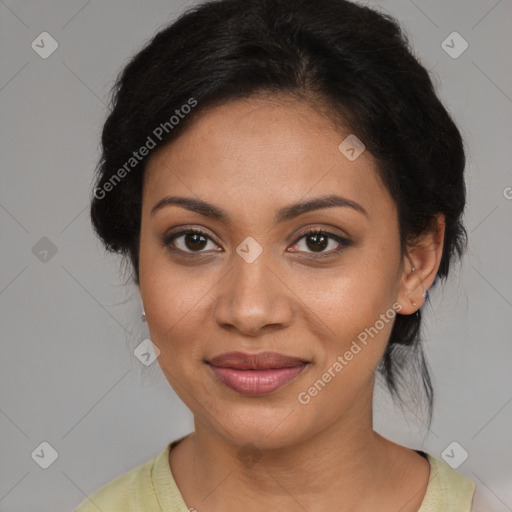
(171, 293)
(350, 317)
(342, 302)
(177, 303)
(347, 362)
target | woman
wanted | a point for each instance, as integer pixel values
(287, 187)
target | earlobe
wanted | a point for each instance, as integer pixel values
(420, 269)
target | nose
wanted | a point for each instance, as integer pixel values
(253, 299)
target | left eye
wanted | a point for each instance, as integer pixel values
(318, 241)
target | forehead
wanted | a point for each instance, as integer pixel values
(264, 151)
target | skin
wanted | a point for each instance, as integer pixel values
(251, 158)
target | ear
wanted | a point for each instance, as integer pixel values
(425, 257)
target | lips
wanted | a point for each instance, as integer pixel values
(256, 374)
(261, 361)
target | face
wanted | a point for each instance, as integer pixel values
(251, 279)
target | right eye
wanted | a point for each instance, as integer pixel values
(189, 241)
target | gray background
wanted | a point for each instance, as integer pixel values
(69, 321)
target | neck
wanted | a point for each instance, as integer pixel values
(345, 459)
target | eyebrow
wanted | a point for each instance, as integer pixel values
(289, 212)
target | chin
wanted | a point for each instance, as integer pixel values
(266, 427)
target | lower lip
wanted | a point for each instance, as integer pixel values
(256, 382)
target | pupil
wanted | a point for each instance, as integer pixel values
(195, 240)
(320, 242)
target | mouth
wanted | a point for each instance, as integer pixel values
(256, 374)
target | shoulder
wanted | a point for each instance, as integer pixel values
(447, 489)
(126, 493)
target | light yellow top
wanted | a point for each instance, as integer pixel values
(150, 487)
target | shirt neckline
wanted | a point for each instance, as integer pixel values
(169, 496)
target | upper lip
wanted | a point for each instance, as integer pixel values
(260, 361)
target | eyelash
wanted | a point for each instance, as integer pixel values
(344, 242)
